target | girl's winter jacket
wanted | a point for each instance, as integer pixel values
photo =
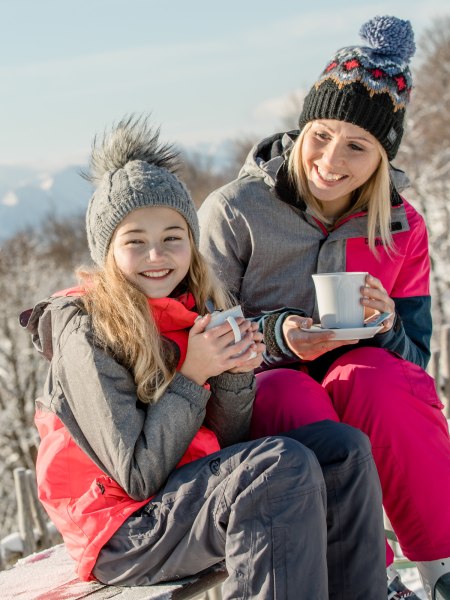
(104, 454)
(265, 244)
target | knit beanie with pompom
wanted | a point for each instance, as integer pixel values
(130, 169)
(369, 85)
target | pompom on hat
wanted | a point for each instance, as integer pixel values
(369, 85)
(131, 169)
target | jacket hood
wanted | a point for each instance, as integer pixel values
(266, 159)
(46, 321)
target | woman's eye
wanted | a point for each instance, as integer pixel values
(133, 242)
(171, 238)
(356, 147)
(321, 135)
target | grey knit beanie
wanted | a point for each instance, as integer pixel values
(130, 169)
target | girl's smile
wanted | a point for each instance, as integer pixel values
(152, 248)
(156, 274)
(337, 157)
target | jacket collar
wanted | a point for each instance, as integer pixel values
(173, 314)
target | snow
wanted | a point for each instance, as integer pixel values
(411, 579)
(29, 580)
(32, 579)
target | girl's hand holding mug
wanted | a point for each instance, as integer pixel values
(212, 351)
(252, 357)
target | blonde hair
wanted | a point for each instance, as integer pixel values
(374, 195)
(123, 322)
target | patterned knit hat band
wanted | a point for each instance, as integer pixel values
(368, 86)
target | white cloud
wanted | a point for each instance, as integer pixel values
(279, 106)
(10, 199)
(46, 181)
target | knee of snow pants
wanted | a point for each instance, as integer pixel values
(287, 399)
(262, 508)
(354, 508)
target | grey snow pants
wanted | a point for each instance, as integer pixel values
(296, 517)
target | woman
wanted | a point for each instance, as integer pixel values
(322, 199)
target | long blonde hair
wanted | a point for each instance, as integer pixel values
(123, 322)
(374, 195)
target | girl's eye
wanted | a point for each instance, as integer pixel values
(133, 242)
(356, 147)
(172, 238)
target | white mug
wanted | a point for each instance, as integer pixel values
(339, 299)
(218, 317)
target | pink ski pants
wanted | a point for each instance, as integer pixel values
(395, 403)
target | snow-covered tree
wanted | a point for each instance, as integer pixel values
(425, 154)
(32, 265)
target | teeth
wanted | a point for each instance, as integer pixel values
(155, 274)
(329, 176)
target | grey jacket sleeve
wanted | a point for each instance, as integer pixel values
(224, 241)
(270, 324)
(137, 445)
(229, 409)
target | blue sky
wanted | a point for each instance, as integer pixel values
(208, 71)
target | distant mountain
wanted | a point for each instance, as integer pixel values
(28, 196)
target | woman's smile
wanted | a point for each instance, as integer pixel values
(328, 177)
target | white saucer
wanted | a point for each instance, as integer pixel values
(351, 333)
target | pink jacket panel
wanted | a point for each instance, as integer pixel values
(407, 273)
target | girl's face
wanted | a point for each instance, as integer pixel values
(338, 157)
(151, 247)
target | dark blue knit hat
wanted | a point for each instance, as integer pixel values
(368, 85)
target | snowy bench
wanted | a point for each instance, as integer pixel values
(49, 575)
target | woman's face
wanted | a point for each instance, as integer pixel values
(337, 157)
(152, 248)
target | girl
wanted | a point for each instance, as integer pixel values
(323, 199)
(143, 464)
